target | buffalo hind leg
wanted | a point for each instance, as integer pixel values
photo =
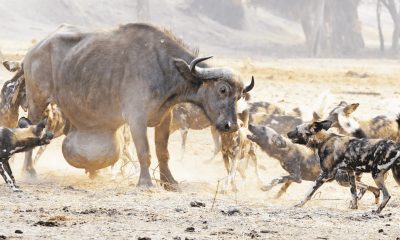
(35, 112)
(161, 140)
(138, 126)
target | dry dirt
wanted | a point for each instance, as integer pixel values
(64, 204)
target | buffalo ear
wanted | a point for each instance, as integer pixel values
(349, 109)
(24, 122)
(318, 126)
(184, 69)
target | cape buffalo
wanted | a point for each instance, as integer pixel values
(133, 74)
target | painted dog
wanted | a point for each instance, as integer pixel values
(299, 161)
(21, 139)
(349, 154)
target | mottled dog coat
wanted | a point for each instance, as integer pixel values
(378, 127)
(268, 114)
(349, 154)
(15, 140)
(299, 161)
(237, 150)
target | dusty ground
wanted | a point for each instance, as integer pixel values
(64, 204)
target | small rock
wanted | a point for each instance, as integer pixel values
(231, 212)
(197, 204)
(189, 229)
(177, 238)
(380, 230)
(253, 234)
(46, 224)
(3, 237)
(179, 210)
(18, 231)
(144, 238)
(268, 231)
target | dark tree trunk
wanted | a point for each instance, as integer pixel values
(394, 13)
(378, 18)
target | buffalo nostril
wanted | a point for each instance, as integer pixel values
(227, 126)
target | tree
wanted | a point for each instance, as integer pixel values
(393, 8)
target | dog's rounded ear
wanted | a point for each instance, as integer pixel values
(24, 122)
(316, 117)
(278, 141)
(349, 109)
(318, 126)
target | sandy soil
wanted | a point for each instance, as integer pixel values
(64, 204)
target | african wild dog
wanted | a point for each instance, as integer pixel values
(187, 116)
(268, 114)
(56, 123)
(12, 96)
(378, 127)
(299, 161)
(237, 150)
(349, 154)
(15, 140)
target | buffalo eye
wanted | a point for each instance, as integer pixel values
(223, 90)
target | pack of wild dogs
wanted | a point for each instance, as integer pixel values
(333, 146)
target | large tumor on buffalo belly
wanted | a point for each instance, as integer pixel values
(92, 149)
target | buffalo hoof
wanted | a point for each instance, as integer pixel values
(145, 183)
(29, 173)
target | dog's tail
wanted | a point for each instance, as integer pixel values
(396, 173)
(396, 167)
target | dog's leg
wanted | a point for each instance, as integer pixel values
(283, 189)
(353, 190)
(322, 178)
(280, 180)
(8, 179)
(184, 133)
(227, 167)
(233, 173)
(253, 158)
(39, 154)
(379, 179)
(364, 187)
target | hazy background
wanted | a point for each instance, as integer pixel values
(226, 28)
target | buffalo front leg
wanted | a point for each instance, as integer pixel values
(34, 114)
(161, 141)
(138, 128)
